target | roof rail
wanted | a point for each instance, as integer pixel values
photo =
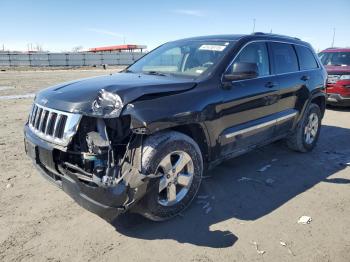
(278, 35)
(258, 33)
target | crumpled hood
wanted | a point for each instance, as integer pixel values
(331, 69)
(77, 96)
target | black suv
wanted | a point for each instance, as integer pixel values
(140, 140)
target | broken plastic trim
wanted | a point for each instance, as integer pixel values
(132, 172)
(111, 170)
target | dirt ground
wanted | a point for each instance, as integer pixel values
(252, 216)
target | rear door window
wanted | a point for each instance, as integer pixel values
(307, 60)
(284, 58)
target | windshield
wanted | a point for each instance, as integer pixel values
(182, 58)
(335, 58)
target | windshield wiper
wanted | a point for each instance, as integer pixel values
(128, 71)
(154, 73)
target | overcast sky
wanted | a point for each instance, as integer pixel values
(61, 25)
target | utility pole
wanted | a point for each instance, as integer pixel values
(333, 37)
(253, 25)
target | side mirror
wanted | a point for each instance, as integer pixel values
(242, 71)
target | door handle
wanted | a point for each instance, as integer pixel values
(270, 84)
(305, 78)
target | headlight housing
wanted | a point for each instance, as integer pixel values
(344, 77)
(107, 105)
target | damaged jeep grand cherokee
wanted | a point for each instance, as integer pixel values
(140, 139)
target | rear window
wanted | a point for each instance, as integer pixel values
(306, 58)
(284, 58)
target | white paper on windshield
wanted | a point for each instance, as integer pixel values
(218, 48)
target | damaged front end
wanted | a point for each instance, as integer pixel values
(97, 161)
(84, 136)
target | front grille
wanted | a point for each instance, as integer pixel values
(52, 125)
(332, 79)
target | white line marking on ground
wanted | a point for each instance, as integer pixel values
(16, 96)
(6, 87)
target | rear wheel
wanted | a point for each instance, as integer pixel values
(177, 160)
(305, 136)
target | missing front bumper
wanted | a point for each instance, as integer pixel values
(107, 202)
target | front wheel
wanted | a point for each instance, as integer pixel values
(305, 136)
(177, 160)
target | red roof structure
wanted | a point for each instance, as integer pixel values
(118, 48)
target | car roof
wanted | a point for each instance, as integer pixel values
(248, 37)
(216, 37)
(336, 49)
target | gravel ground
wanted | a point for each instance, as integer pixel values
(252, 216)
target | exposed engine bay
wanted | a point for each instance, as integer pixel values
(101, 151)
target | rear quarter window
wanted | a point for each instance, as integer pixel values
(307, 60)
(284, 58)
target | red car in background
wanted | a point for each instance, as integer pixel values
(337, 63)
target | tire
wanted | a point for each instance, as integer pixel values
(298, 140)
(156, 149)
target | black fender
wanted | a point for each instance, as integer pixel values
(314, 95)
(174, 112)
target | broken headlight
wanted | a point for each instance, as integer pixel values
(107, 104)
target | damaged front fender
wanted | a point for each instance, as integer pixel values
(145, 118)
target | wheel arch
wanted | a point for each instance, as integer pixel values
(198, 133)
(320, 100)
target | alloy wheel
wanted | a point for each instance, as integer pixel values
(311, 128)
(176, 170)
